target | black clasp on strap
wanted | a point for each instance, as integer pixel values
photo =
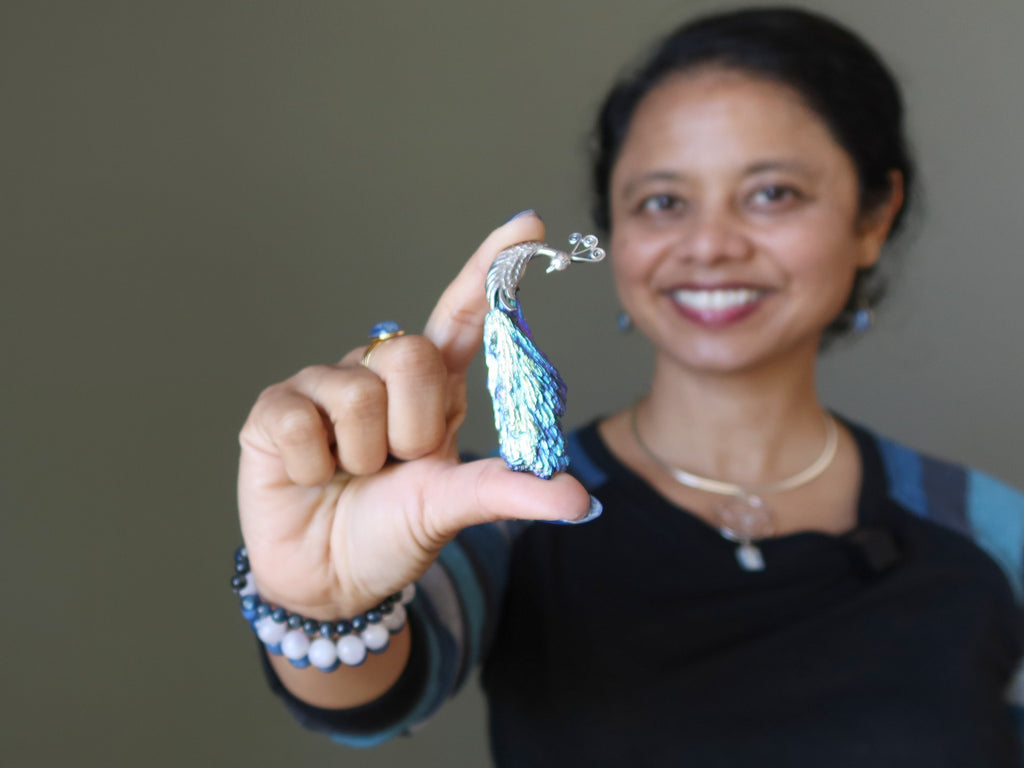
(875, 550)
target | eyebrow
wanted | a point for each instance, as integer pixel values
(751, 170)
(652, 176)
(776, 165)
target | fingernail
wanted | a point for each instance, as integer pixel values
(523, 213)
(596, 508)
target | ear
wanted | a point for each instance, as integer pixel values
(875, 224)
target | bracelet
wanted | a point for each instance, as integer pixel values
(306, 642)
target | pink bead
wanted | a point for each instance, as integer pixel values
(295, 644)
(395, 620)
(351, 650)
(269, 631)
(322, 653)
(376, 637)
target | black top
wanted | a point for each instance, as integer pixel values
(638, 640)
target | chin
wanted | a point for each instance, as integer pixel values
(721, 358)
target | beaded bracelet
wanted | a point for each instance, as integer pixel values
(306, 642)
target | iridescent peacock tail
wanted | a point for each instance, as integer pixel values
(526, 389)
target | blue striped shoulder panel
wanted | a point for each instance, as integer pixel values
(985, 509)
(580, 465)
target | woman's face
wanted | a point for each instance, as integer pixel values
(736, 230)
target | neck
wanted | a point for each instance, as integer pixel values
(750, 428)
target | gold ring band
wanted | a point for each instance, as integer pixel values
(377, 341)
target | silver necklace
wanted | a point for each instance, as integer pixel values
(745, 517)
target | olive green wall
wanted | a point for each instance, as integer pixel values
(198, 198)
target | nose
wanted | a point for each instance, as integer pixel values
(715, 234)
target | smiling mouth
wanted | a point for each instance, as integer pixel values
(718, 299)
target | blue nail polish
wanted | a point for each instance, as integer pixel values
(596, 508)
(523, 213)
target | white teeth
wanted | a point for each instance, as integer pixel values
(716, 299)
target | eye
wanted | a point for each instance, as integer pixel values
(659, 203)
(775, 195)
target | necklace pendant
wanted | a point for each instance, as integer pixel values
(743, 519)
(526, 389)
(750, 557)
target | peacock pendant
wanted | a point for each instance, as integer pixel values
(526, 389)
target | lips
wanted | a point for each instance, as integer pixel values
(716, 299)
(718, 306)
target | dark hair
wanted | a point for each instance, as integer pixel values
(839, 76)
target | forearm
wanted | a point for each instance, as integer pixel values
(448, 626)
(346, 686)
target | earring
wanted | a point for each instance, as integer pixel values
(624, 322)
(863, 320)
(863, 317)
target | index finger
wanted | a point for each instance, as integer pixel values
(457, 323)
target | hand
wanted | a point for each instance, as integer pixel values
(331, 524)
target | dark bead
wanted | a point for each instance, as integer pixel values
(358, 623)
(241, 552)
(242, 566)
(280, 615)
(263, 610)
(238, 582)
(387, 608)
(294, 621)
(326, 629)
(396, 598)
(311, 626)
(250, 602)
(342, 628)
(374, 617)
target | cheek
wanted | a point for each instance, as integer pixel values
(825, 270)
(624, 270)
(817, 248)
(623, 258)
(633, 260)
(637, 252)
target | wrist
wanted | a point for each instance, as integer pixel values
(305, 640)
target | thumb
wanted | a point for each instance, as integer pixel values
(486, 490)
(456, 325)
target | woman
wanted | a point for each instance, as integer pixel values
(784, 599)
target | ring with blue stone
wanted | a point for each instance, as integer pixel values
(380, 333)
